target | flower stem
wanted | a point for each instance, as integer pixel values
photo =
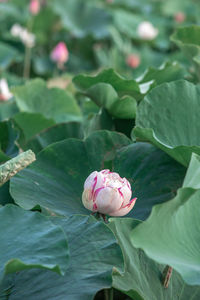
(27, 62)
(108, 294)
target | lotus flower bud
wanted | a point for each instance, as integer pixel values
(147, 31)
(107, 193)
(5, 93)
(179, 17)
(34, 7)
(60, 54)
(133, 61)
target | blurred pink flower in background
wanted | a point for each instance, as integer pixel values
(179, 17)
(60, 54)
(34, 7)
(147, 31)
(133, 61)
(107, 193)
(5, 93)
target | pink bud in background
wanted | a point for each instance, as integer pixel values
(34, 7)
(133, 61)
(60, 54)
(147, 31)
(179, 17)
(107, 193)
(5, 93)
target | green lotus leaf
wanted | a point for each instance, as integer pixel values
(92, 19)
(187, 38)
(146, 167)
(176, 223)
(168, 117)
(58, 175)
(171, 234)
(143, 277)
(8, 109)
(152, 77)
(30, 240)
(94, 253)
(37, 122)
(54, 134)
(104, 95)
(121, 85)
(193, 173)
(56, 104)
(8, 54)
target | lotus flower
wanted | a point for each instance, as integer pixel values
(60, 54)
(5, 93)
(107, 193)
(133, 61)
(147, 31)
(34, 7)
(16, 30)
(25, 36)
(179, 17)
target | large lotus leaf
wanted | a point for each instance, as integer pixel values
(7, 55)
(142, 279)
(171, 235)
(146, 167)
(170, 71)
(93, 254)
(169, 118)
(30, 240)
(121, 85)
(188, 39)
(56, 104)
(54, 134)
(36, 121)
(58, 175)
(82, 18)
(104, 95)
(8, 109)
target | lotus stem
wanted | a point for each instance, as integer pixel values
(108, 294)
(27, 62)
(14, 165)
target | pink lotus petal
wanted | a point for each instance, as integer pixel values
(34, 7)
(60, 54)
(108, 200)
(124, 210)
